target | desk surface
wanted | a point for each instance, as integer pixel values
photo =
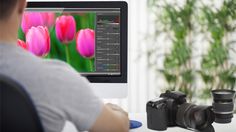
(218, 127)
(142, 117)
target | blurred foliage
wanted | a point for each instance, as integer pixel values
(81, 64)
(220, 24)
(178, 22)
(177, 63)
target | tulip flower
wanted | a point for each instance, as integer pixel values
(65, 32)
(38, 41)
(22, 44)
(31, 19)
(85, 43)
(49, 19)
(65, 29)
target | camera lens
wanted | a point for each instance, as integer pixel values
(223, 105)
(194, 117)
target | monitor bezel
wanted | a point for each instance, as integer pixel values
(122, 78)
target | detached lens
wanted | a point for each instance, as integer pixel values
(223, 105)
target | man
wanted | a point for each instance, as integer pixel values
(56, 89)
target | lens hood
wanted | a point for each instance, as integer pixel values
(223, 94)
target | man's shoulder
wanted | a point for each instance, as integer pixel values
(54, 63)
(14, 58)
(57, 66)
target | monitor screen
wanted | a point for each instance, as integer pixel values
(90, 36)
(88, 39)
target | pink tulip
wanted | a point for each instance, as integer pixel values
(49, 19)
(65, 29)
(31, 19)
(22, 44)
(38, 40)
(85, 43)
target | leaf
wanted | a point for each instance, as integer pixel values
(206, 93)
(216, 56)
(170, 78)
(217, 32)
(188, 76)
(227, 77)
(206, 77)
(21, 35)
(180, 54)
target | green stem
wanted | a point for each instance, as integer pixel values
(49, 56)
(67, 54)
(91, 64)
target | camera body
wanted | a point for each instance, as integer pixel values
(171, 109)
(161, 112)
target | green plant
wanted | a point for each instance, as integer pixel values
(215, 63)
(178, 24)
(177, 21)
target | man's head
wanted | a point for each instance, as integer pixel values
(6, 8)
(10, 17)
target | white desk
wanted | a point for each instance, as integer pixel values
(142, 117)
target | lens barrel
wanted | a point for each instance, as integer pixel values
(223, 105)
(194, 117)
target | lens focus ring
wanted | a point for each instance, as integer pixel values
(225, 107)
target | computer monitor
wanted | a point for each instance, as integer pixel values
(90, 36)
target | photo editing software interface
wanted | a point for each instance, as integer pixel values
(88, 39)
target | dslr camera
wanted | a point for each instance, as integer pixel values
(172, 109)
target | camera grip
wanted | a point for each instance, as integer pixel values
(157, 117)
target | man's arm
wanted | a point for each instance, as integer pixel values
(111, 119)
